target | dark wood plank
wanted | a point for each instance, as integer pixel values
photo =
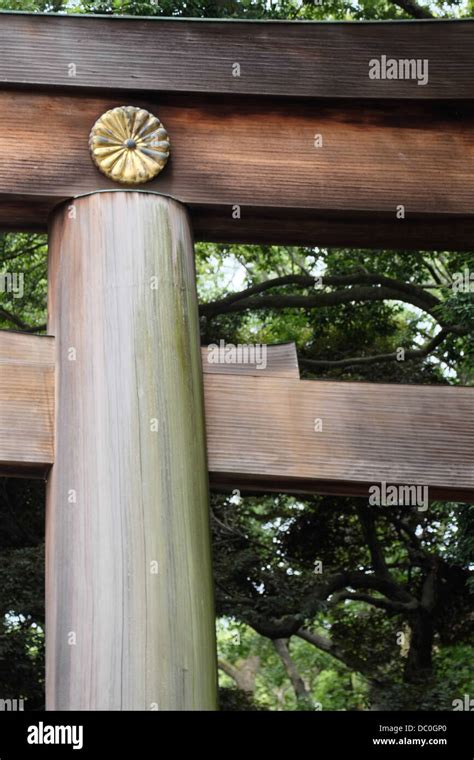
(292, 226)
(293, 59)
(260, 155)
(259, 484)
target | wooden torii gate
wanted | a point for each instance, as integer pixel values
(278, 135)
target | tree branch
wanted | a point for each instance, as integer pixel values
(413, 8)
(8, 316)
(340, 582)
(428, 593)
(409, 354)
(351, 661)
(244, 675)
(18, 323)
(23, 252)
(386, 288)
(228, 669)
(367, 521)
(384, 604)
(299, 686)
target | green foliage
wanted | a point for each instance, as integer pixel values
(22, 592)
(22, 661)
(236, 700)
(23, 256)
(330, 685)
(266, 549)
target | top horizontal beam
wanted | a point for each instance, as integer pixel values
(276, 58)
(257, 156)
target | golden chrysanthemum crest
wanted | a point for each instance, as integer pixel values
(129, 145)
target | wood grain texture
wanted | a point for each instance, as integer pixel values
(260, 427)
(296, 59)
(261, 436)
(26, 403)
(260, 156)
(27, 368)
(127, 530)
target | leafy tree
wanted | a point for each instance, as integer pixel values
(390, 596)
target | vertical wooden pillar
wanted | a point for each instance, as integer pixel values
(130, 620)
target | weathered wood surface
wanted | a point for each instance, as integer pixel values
(26, 403)
(128, 560)
(27, 396)
(260, 429)
(260, 156)
(261, 434)
(312, 60)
